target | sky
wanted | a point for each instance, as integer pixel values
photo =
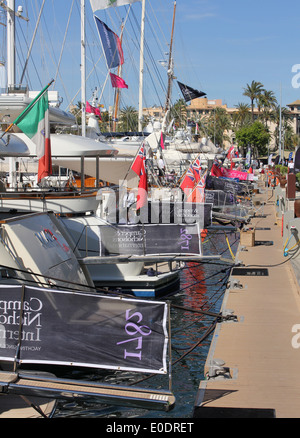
(219, 47)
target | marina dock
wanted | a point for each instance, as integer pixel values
(253, 364)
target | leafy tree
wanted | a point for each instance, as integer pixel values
(255, 135)
(217, 123)
(295, 139)
(253, 91)
(242, 116)
(288, 138)
(267, 102)
(286, 119)
(128, 120)
(178, 112)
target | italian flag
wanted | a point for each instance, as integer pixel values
(34, 122)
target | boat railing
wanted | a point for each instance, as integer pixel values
(42, 193)
(16, 89)
(28, 384)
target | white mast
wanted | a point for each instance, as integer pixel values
(170, 65)
(11, 59)
(280, 125)
(83, 70)
(141, 65)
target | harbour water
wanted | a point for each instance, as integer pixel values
(202, 288)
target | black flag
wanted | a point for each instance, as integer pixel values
(189, 93)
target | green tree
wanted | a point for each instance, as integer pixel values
(218, 123)
(128, 120)
(267, 102)
(242, 116)
(253, 91)
(178, 113)
(295, 139)
(286, 119)
(255, 135)
(288, 138)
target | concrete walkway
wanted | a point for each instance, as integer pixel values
(257, 348)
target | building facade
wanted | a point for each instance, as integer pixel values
(203, 107)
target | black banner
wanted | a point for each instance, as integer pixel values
(80, 329)
(150, 239)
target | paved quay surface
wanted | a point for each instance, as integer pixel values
(257, 348)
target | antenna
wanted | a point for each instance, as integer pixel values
(17, 13)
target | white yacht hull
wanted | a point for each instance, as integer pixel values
(66, 203)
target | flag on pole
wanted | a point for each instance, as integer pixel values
(34, 122)
(111, 44)
(188, 181)
(230, 153)
(198, 194)
(139, 159)
(142, 194)
(104, 4)
(196, 166)
(92, 109)
(162, 145)
(117, 82)
(189, 93)
(216, 169)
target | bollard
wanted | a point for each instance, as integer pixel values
(291, 186)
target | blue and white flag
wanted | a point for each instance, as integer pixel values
(111, 45)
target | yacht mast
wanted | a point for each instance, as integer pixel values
(117, 93)
(170, 66)
(11, 46)
(141, 65)
(83, 70)
(11, 58)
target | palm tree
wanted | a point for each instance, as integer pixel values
(179, 113)
(295, 140)
(242, 116)
(268, 102)
(217, 124)
(253, 91)
(128, 119)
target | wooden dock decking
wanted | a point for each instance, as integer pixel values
(257, 348)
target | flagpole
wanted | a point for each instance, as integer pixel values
(83, 70)
(191, 164)
(28, 108)
(141, 66)
(170, 65)
(117, 90)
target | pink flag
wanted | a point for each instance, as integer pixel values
(162, 141)
(142, 195)
(117, 82)
(93, 110)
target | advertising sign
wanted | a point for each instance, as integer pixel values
(47, 326)
(150, 239)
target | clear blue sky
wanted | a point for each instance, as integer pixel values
(219, 47)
